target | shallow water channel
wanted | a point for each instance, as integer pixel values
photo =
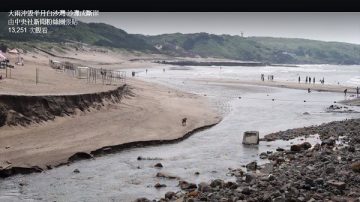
(121, 177)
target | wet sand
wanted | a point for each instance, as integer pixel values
(282, 84)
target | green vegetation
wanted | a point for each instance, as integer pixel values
(262, 49)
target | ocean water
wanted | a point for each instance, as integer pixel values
(121, 177)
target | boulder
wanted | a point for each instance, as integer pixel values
(169, 195)
(251, 138)
(263, 155)
(217, 183)
(142, 200)
(337, 184)
(158, 185)
(166, 175)
(204, 187)
(331, 142)
(184, 185)
(295, 148)
(251, 166)
(158, 165)
(356, 167)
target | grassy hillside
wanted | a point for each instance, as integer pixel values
(265, 49)
(91, 33)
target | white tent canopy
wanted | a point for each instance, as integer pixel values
(14, 51)
(2, 57)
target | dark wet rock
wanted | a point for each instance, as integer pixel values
(170, 195)
(351, 149)
(22, 184)
(166, 175)
(143, 199)
(76, 171)
(204, 187)
(330, 142)
(158, 185)
(263, 155)
(251, 166)
(231, 185)
(280, 149)
(140, 158)
(249, 177)
(295, 148)
(19, 170)
(236, 172)
(217, 183)
(80, 156)
(158, 165)
(306, 145)
(184, 185)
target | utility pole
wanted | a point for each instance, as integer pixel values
(37, 76)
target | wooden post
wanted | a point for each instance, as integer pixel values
(37, 75)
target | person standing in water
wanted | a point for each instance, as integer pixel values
(345, 91)
(299, 79)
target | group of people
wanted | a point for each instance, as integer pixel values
(270, 77)
(357, 91)
(310, 80)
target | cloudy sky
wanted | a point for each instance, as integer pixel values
(343, 27)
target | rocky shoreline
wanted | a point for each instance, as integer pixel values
(329, 171)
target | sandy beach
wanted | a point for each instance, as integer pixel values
(151, 112)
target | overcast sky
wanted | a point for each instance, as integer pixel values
(343, 27)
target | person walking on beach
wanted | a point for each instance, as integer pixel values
(314, 80)
(309, 80)
(345, 91)
(299, 79)
(306, 80)
(357, 91)
(323, 81)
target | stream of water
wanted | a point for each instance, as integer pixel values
(121, 177)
